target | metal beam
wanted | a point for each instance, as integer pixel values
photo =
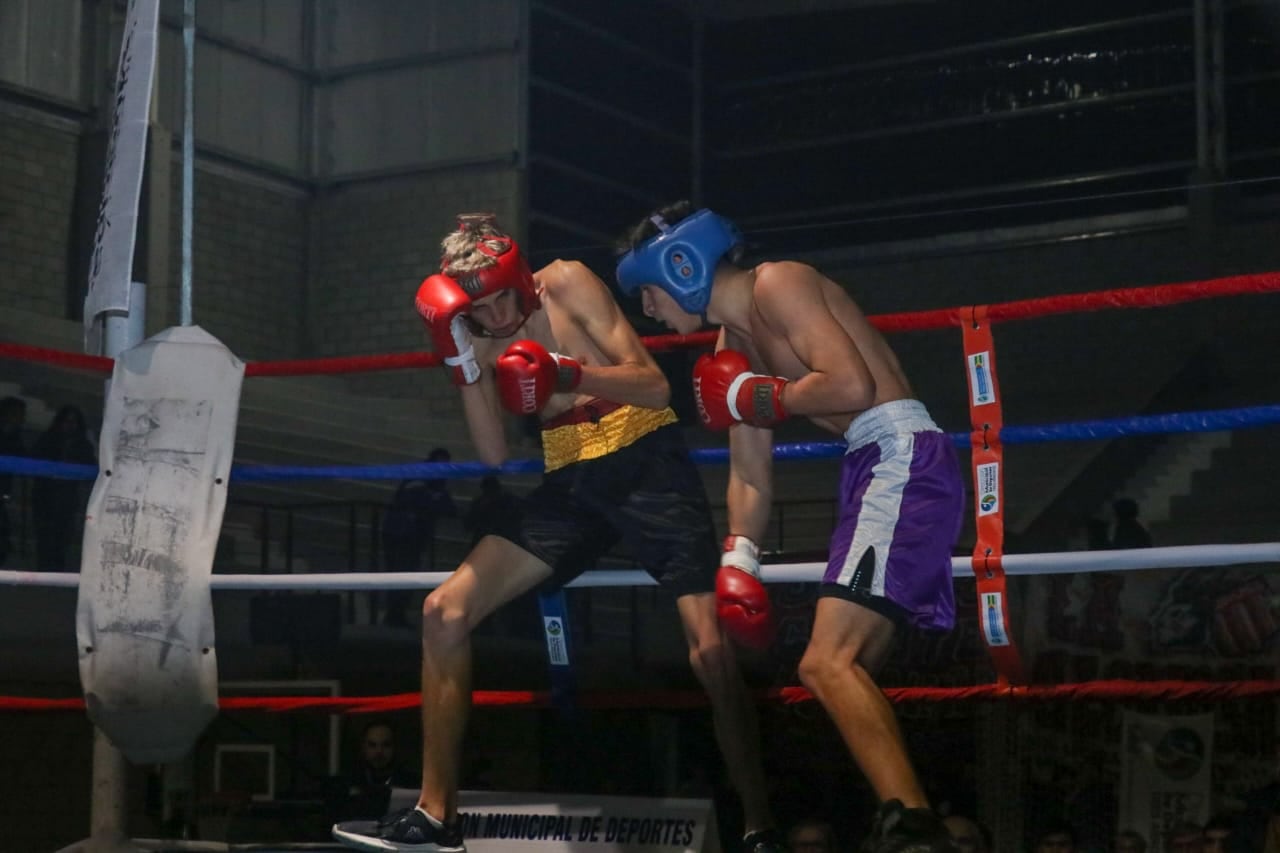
(594, 178)
(1179, 167)
(415, 60)
(649, 127)
(836, 139)
(951, 52)
(572, 227)
(614, 39)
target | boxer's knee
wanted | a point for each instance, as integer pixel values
(445, 620)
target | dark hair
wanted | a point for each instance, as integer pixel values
(440, 454)
(12, 404)
(988, 840)
(1133, 835)
(70, 412)
(1222, 820)
(1125, 508)
(1058, 827)
(671, 214)
(375, 723)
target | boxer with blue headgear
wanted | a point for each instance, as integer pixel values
(793, 343)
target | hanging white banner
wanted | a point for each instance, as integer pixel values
(144, 616)
(498, 822)
(1166, 774)
(111, 265)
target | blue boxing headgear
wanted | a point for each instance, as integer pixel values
(680, 258)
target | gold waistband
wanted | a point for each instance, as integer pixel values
(571, 443)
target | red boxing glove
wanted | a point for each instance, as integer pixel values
(742, 603)
(443, 306)
(727, 392)
(528, 375)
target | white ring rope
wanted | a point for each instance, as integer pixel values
(1051, 563)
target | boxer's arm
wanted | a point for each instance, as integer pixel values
(632, 376)
(484, 415)
(789, 298)
(750, 491)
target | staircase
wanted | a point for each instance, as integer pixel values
(1231, 500)
(1170, 472)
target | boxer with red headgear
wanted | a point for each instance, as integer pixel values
(794, 344)
(555, 344)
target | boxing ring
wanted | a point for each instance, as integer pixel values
(989, 566)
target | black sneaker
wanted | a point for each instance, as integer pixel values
(901, 830)
(763, 841)
(408, 831)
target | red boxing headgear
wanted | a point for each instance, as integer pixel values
(509, 273)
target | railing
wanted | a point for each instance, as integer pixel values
(362, 517)
(360, 522)
(359, 530)
(345, 535)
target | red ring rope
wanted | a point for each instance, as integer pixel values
(1114, 690)
(913, 321)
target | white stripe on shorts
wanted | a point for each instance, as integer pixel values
(881, 504)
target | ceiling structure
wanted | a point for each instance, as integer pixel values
(735, 9)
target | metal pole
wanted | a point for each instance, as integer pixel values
(1202, 88)
(109, 800)
(188, 152)
(108, 803)
(1217, 87)
(697, 143)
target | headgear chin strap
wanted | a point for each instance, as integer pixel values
(680, 258)
(509, 272)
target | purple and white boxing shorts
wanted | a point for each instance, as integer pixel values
(901, 504)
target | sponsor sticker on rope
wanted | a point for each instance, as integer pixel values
(993, 619)
(980, 384)
(988, 494)
(557, 650)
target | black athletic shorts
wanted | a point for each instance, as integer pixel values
(647, 494)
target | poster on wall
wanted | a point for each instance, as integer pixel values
(1166, 774)
(1183, 625)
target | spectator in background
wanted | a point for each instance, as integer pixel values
(365, 792)
(56, 503)
(1220, 835)
(1097, 534)
(968, 835)
(1259, 825)
(1129, 841)
(1129, 532)
(1057, 837)
(409, 532)
(812, 835)
(1186, 837)
(13, 416)
(491, 510)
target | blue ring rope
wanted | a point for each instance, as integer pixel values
(1174, 422)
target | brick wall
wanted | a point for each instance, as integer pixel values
(250, 241)
(37, 187)
(374, 243)
(249, 263)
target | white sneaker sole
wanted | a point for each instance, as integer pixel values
(361, 841)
